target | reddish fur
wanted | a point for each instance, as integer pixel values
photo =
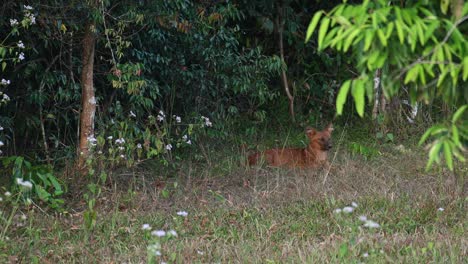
(313, 156)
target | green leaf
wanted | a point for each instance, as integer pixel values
(323, 31)
(432, 131)
(4, 64)
(458, 113)
(456, 136)
(382, 37)
(434, 154)
(341, 98)
(389, 30)
(313, 25)
(465, 68)
(412, 74)
(350, 39)
(448, 155)
(399, 28)
(358, 94)
(369, 35)
(444, 4)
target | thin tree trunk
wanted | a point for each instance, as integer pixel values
(88, 100)
(377, 92)
(284, 77)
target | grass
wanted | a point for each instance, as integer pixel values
(260, 215)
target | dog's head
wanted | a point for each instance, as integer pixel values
(320, 139)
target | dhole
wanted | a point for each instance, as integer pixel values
(313, 156)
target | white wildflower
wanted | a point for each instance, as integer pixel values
(182, 213)
(348, 209)
(21, 56)
(110, 137)
(168, 146)
(365, 255)
(172, 233)
(121, 148)
(1, 144)
(178, 119)
(371, 224)
(6, 98)
(200, 252)
(14, 22)
(440, 209)
(5, 82)
(25, 184)
(132, 114)
(100, 152)
(363, 218)
(7, 194)
(160, 118)
(139, 145)
(157, 253)
(184, 137)
(20, 44)
(146, 227)
(1, 128)
(189, 142)
(354, 204)
(122, 156)
(28, 7)
(119, 141)
(338, 210)
(158, 233)
(1, 199)
(23, 217)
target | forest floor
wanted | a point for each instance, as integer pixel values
(261, 215)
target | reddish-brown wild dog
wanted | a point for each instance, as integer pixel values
(313, 156)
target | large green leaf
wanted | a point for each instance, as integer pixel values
(341, 98)
(323, 31)
(358, 91)
(313, 25)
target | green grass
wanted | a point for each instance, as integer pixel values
(259, 215)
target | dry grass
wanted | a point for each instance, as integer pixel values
(262, 215)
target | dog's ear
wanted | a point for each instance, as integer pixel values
(329, 127)
(310, 131)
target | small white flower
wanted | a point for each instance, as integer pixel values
(157, 253)
(172, 233)
(23, 217)
(200, 252)
(121, 148)
(1, 128)
(338, 210)
(27, 7)
(146, 227)
(354, 204)
(371, 224)
(160, 118)
(440, 209)
(158, 233)
(25, 184)
(92, 139)
(110, 137)
(5, 82)
(120, 141)
(100, 152)
(161, 113)
(7, 194)
(1, 199)
(178, 119)
(139, 145)
(348, 209)
(132, 114)
(365, 255)
(21, 56)
(1, 144)
(189, 142)
(20, 44)
(168, 146)
(13, 22)
(6, 97)
(122, 156)
(184, 137)
(363, 218)
(182, 213)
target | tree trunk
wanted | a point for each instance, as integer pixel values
(377, 92)
(284, 77)
(88, 100)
